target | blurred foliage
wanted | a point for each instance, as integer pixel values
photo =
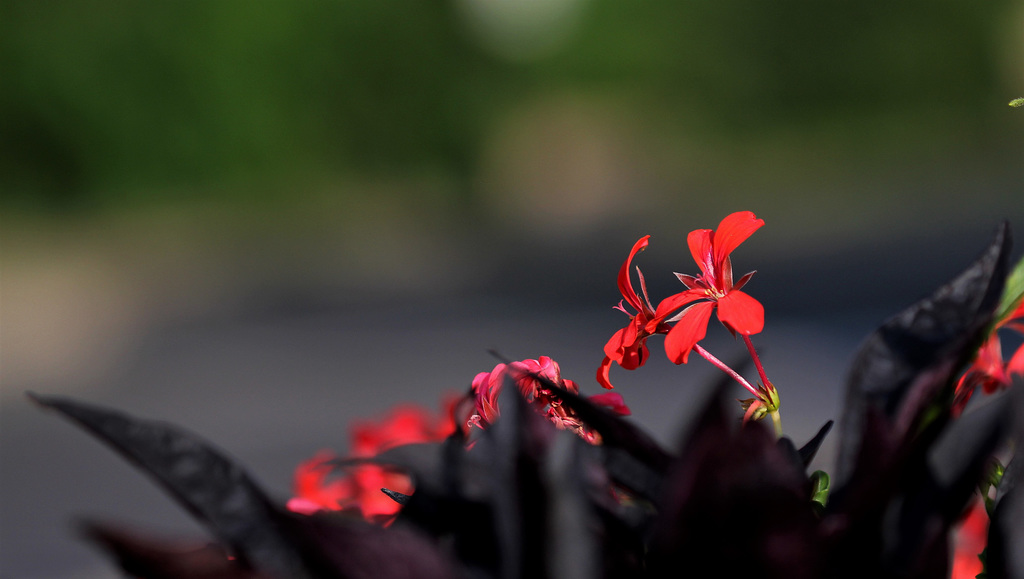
(107, 103)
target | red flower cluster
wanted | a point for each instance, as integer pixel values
(487, 387)
(318, 487)
(712, 289)
(989, 370)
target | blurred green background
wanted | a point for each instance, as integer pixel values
(160, 160)
(262, 107)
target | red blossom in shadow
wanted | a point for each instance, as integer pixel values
(319, 487)
(988, 370)
(970, 541)
(487, 387)
(712, 289)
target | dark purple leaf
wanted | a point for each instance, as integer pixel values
(1006, 533)
(142, 556)
(810, 449)
(932, 496)
(734, 503)
(905, 366)
(959, 457)
(344, 547)
(396, 496)
(214, 489)
(511, 448)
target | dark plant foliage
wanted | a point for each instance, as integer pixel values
(529, 500)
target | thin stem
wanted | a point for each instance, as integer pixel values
(777, 422)
(721, 366)
(757, 361)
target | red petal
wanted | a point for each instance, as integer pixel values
(688, 331)
(634, 356)
(602, 373)
(741, 313)
(732, 231)
(1016, 363)
(699, 241)
(625, 285)
(672, 303)
(613, 349)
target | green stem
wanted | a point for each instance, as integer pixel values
(776, 422)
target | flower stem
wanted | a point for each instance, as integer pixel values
(757, 361)
(769, 388)
(776, 422)
(721, 366)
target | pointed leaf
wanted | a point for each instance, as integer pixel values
(902, 367)
(209, 485)
(733, 491)
(810, 449)
(396, 496)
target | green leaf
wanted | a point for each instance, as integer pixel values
(1017, 102)
(1013, 292)
(819, 488)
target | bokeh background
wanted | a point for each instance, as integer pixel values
(264, 220)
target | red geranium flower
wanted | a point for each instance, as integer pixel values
(739, 312)
(628, 346)
(988, 369)
(319, 487)
(487, 387)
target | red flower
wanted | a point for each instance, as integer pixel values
(740, 313)
(988, 369)
(970, 541)
(487, 387)
(317, 487)
(628, 346)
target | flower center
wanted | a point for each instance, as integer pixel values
(714, 293)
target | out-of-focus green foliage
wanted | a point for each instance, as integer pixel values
(108, 103)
